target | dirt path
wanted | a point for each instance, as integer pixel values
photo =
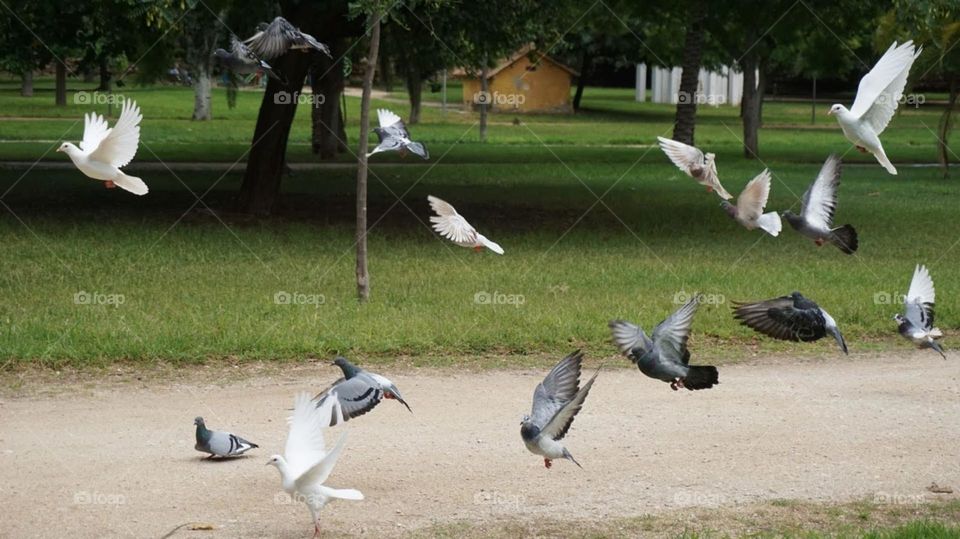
(107, 459)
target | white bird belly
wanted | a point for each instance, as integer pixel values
(98, 170)
(546, 447)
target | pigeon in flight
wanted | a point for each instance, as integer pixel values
(877, 98)
(220, 444)
(241, 60)
(666, 357)
(358, 391)
(789, 318)
(275, 39)
(306, 464)
(916, 322)
(451, 225)
(819, 205)
(556, 401)
(103, 151)
(694, 163)
(394, 136)
(749, 208)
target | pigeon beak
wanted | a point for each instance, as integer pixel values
(59, 150)
(830, 112)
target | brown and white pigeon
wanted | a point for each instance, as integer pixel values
(694, 163)
(819, 204)
(916, 322)
(451, 225)
(275, 39)
(749, 208)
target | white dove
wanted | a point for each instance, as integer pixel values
(694, 163)
(749, 208)
(104, 150)
(305, 463)
(451, 225)
(877, 98)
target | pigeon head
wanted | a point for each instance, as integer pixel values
(729, 208)
(221, 54)
(528, 431)
(837, 109)
(68, 148)
(349, 369)
(792, 218)
(198, 421)
(899, 319)
(275, 460)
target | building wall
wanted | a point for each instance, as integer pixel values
(546, 89)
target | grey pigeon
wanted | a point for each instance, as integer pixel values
(358, 391)
(275, 39)
(789, 318)
(819, 205)
(219, 444)
(916, 323)
(556, 401)
(394, 136)
(241, 60)
(749, 208)
(666, 357)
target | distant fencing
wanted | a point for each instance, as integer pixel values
(714, 88)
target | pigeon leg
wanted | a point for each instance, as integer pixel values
(680, 384)
(316, 529)
(862, 149)
(709, 189)
(109, 184)
(673, 385)
(547, 463)
(819, 242)
(477, 248)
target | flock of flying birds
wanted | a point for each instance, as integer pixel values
(307, 463)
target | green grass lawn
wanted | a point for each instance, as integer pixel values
(195, 288)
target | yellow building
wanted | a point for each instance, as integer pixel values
(527, 81)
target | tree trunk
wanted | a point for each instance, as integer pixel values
(261, 181)
(202, 110)
(761, 89)
(946, 123)
(485, 91)
(386, 74)
(415, 91)
(328, 134)
(586, 59)
(750, 108)
(363, 274)
(26, 83)
(686, 117)
(61, 93)
(106, 78)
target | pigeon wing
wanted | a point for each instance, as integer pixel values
(670, 336)
(918, 305)
(558, 426)
(683, 155)
(820, 200)
(95, 129)
(557, 389)
(274, 40)
(880, 90)
(753, 199)
(120, 144)
(450, 224)
(305, 444)
(355, 396)
(778, 318)
(627, 336)
(319, 472)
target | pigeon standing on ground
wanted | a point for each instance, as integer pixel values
(749, 208)
(694, 163)
(556, 401)
(306, 464)
(358, 391)
(789, 318)
(819, 205)
(275, 39)
(451, 225)
(103, 151)
(666, 357)
(877, 98)
(916, 323)
(241, 60)
(220, 444)
(394, 136)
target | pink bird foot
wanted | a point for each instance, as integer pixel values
(109, 184)
(547, 463)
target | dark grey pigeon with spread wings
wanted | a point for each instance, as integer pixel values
(358, 391)
(666, 357)
(394, 136)
(916, 322)
(556, 401)
(275, 39)
(789, 318)
(219, 444)
(241, 60)
(819, 204)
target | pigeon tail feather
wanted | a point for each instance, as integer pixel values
(882, 159)
(770, 223)
(568, 456)
(131, 183)
(845, 238)
(701, 377)
(341, 493)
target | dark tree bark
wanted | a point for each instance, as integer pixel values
(106, 78)
(586, 60)
(26, 83)
(946, 124)
(686, 117)
(485, 90)
(329, 134)
(363, 274)
(386, 73)
(415, 92)
(750, 108)
(261, 182)
(61, 93)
